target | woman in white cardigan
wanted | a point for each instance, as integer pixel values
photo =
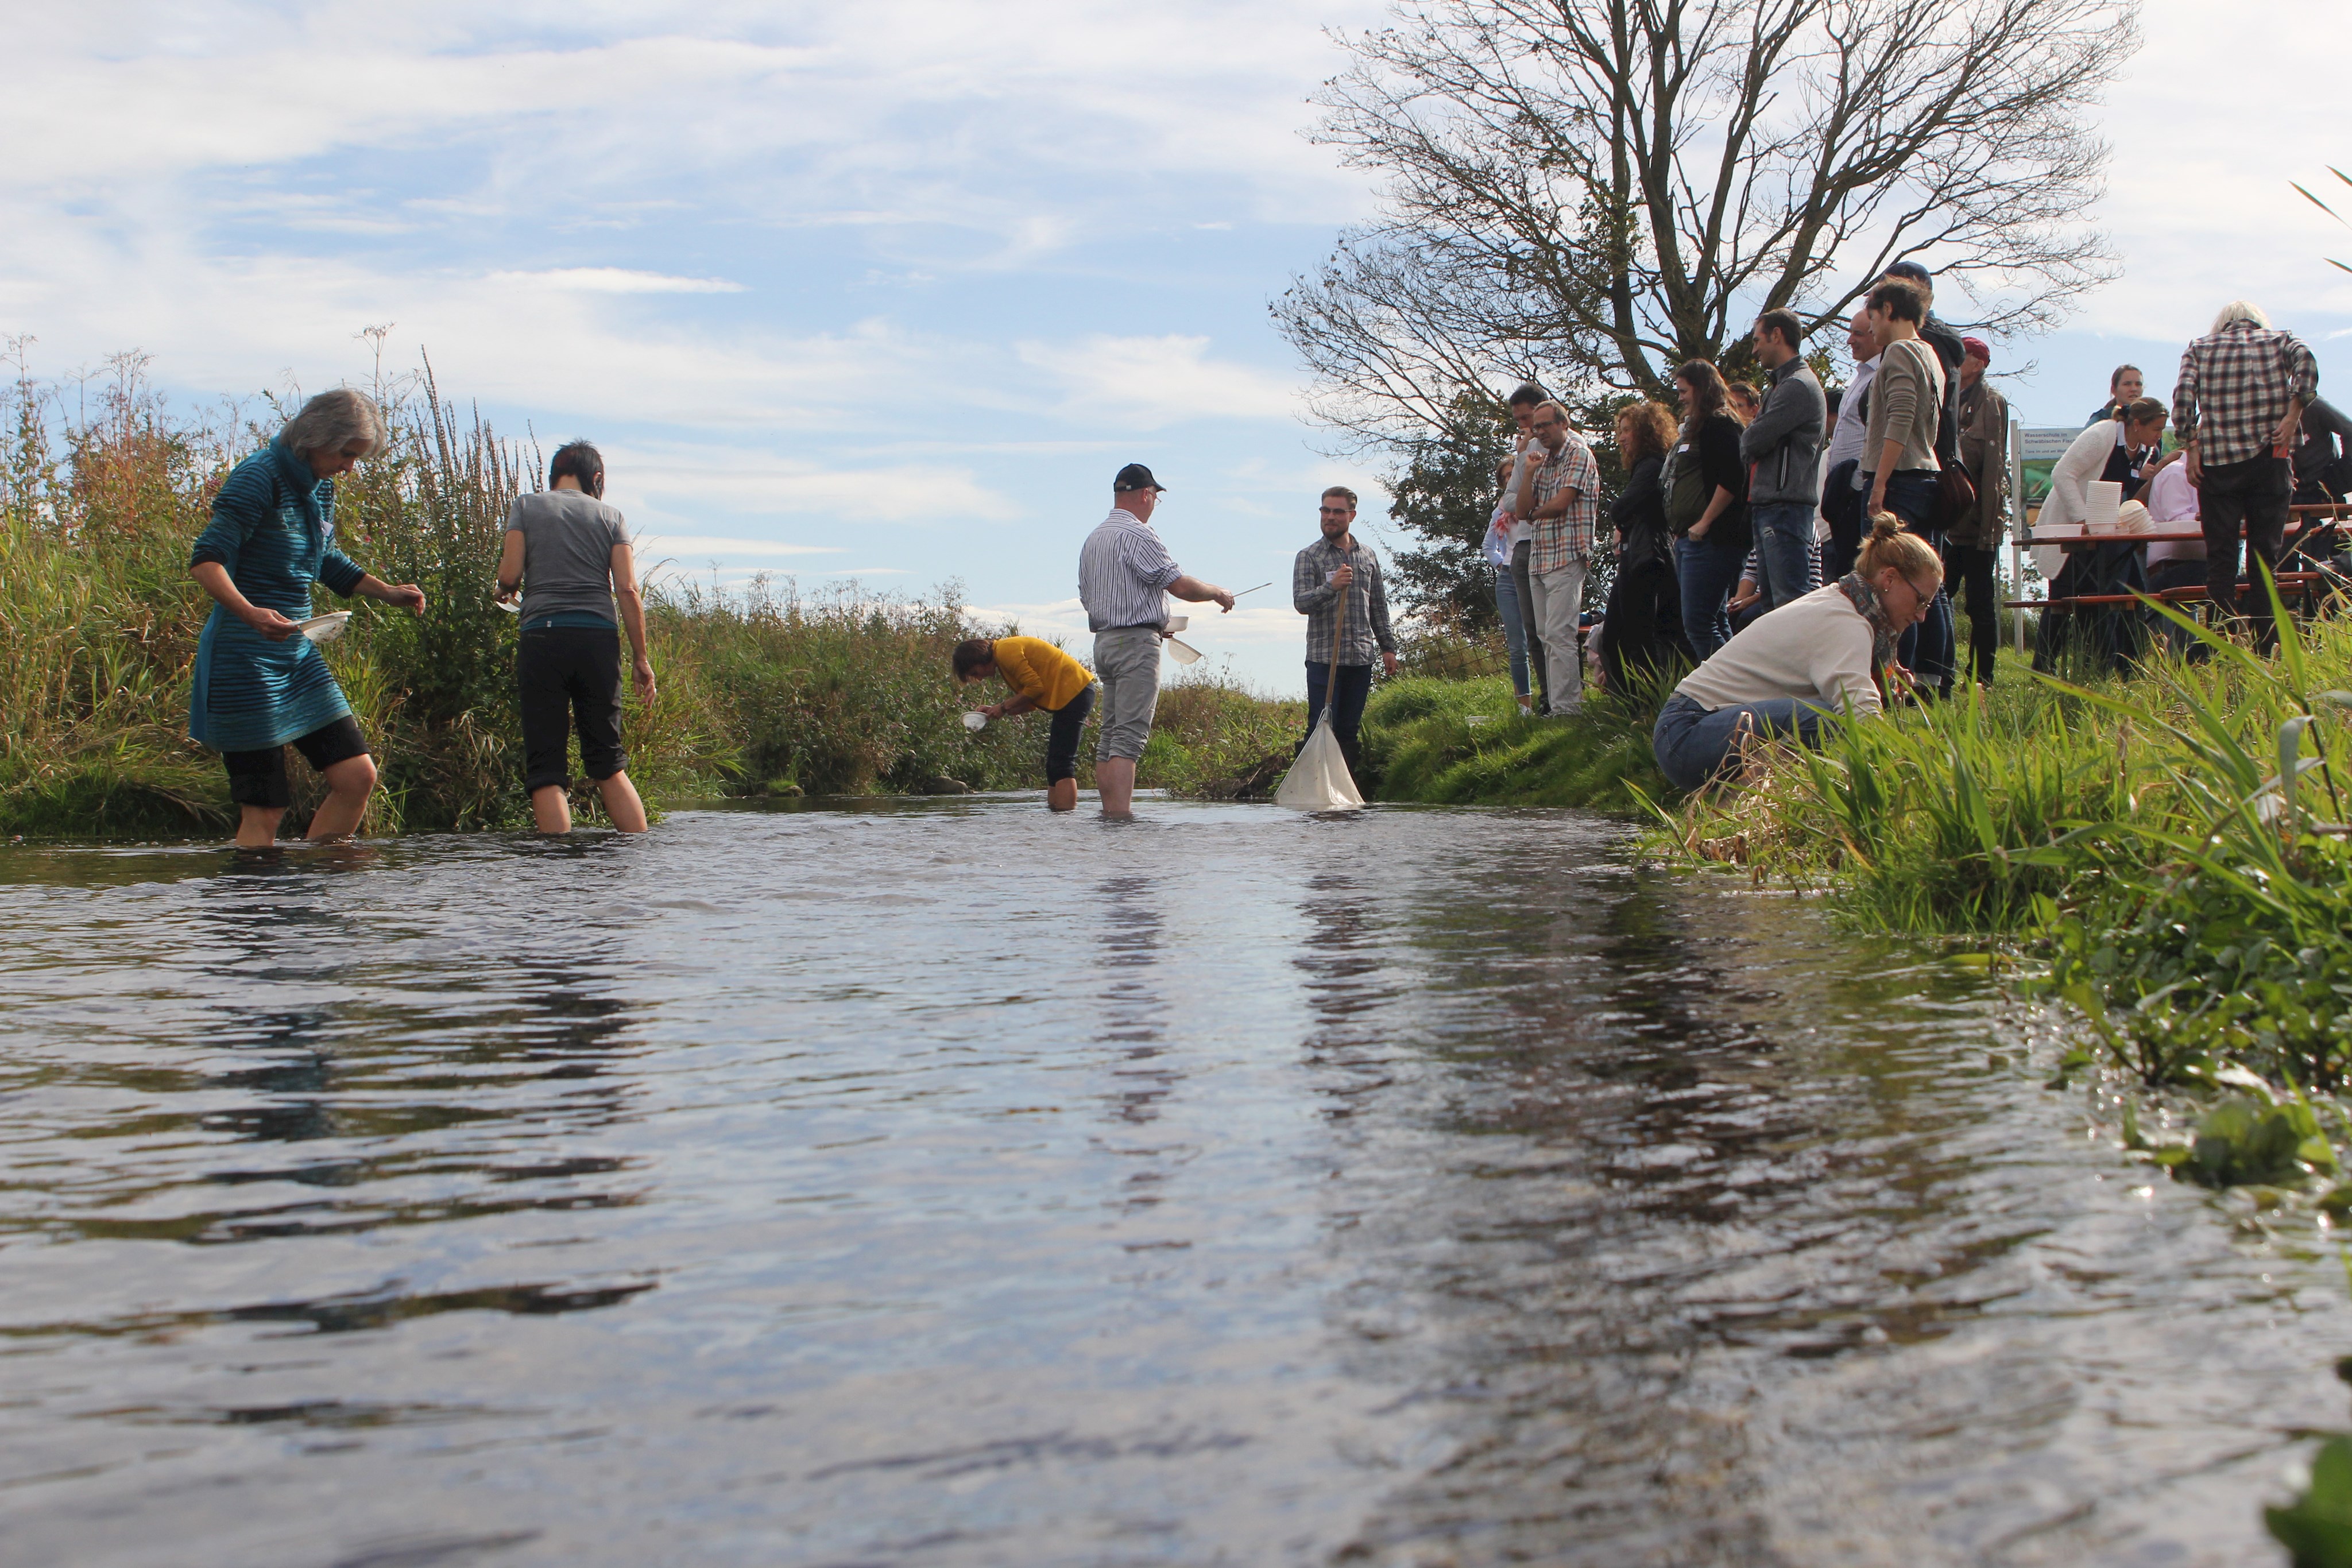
(2114, 449)
(1814, 658)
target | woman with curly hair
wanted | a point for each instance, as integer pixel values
(1641, 632)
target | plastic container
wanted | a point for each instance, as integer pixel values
(325, 628)
(975, 719)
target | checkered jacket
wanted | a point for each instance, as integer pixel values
(1312, 595)
(1566, 539)
(2234, 387)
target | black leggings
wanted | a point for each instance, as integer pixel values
(259, 777)
(563, 673)
(1062, 740)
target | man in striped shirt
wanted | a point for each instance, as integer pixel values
(2239, 409)
(1124, 575)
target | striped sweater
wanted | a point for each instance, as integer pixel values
(273, 528)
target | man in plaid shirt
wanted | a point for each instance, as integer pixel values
(1334, 568)
(1560, 495)
(2239, 409)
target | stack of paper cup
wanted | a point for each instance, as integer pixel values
(2104, 499)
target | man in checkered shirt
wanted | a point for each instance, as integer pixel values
(2239, 409)
(1560, 495)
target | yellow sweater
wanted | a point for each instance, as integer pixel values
(1038, 670)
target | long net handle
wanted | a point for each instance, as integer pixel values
(1338, 640)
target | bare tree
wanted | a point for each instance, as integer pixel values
(1591, 191)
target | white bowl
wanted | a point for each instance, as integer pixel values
(975, 719)
(325, 628)
(1175, 624)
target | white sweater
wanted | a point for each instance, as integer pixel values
(1816, 650)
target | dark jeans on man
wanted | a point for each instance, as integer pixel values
(1926, 650)
(1784, 551)
(1709, 571)
(2252, 495)
(1841, 505)
(1967, 567)
(1522, 585)
(1347, 709)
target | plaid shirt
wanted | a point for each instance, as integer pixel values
(2234, 388)
(1567, 538)
(1313, 596)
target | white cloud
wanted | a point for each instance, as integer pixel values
(617, 280)
(1155, 381)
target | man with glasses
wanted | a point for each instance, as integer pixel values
(1125, 574)
(1560, 495)
(1332, 572)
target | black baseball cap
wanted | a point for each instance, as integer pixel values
(1136, 476)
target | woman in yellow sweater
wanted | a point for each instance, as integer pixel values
(1041, 676)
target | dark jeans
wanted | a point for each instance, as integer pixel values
(1692, 744)
(259, 777)
(1842, 505)
(1784, 551)
(1347, 709)
(1062, 739)
(1926, 650)
(1531, 635)
(1967, 567)
(563, 675)
(1709, 571)
(2252, 496)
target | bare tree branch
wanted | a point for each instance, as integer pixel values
(1592, 190)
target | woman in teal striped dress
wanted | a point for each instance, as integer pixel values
(261, 684)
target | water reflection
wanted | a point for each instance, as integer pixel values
(1424, 1187)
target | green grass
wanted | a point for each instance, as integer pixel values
(1465, 742)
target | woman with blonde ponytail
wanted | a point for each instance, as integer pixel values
(1815, 658)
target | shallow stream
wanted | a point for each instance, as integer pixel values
(950, 1184)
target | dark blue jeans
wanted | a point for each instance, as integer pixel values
(1709, 571)
(1348, 713)
(1926, 650)
(1785, 563)
(1692, 744)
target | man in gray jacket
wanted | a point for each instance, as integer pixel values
(1783, 450)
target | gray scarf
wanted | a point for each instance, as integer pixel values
(1865, 601)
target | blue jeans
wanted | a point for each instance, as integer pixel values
(1515, 630)
(1926, 650)
(1346, 704)
(1785, 564)
(1709, 572)
(1692, 744)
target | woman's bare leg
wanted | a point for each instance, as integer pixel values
(551, 809)
(1061, 795)
(621, 802)
(257, 826)
(349, 784)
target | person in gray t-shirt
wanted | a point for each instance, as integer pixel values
(568, 552)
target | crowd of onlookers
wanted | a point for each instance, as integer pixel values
(1744, 500)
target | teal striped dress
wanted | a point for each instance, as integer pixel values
(273, 526)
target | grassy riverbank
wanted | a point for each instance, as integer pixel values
(768, 690)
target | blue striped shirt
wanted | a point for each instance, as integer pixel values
(273, 526)
(1124, 573)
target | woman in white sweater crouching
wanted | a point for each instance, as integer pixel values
(1813, 659)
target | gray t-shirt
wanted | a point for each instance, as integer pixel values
(567, 553)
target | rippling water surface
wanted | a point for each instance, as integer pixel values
(954, 1185)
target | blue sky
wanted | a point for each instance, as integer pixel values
(888, 292)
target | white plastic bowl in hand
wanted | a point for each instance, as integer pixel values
(325, 628)
(1175, 624)
(975, 719)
